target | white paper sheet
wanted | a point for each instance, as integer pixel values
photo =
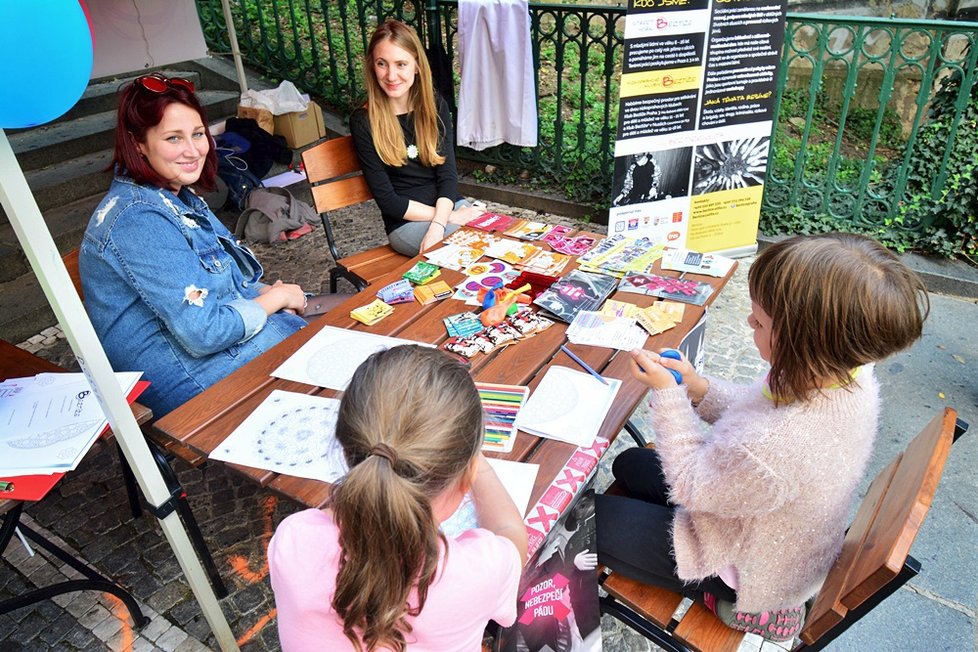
(517, 478)
(288, 433)
(48, 422)
(332, 355)
(597, 329)
(568, 405)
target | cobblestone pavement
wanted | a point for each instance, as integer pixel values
(88, 512)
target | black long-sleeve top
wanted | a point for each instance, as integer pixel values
(393, 187)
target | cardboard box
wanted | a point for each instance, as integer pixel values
(301, 127)
(263, 117)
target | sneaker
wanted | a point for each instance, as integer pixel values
(779, 625)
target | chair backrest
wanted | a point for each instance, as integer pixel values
(878, 542)
(332, 168)
(70, 261)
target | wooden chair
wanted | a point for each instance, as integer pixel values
(333, 169)
(874, 562)
(161, 449)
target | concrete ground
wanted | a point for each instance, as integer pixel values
(87, 512)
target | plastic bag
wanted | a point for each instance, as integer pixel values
(284, 99)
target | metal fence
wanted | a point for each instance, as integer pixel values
(853, 93)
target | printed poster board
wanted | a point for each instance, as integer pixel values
(696, 111)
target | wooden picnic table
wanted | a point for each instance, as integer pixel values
(205, 421)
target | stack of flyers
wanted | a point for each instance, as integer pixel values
(511, 251)
(472, 238)
(614, 308)
(522, 324)
(422, 272)
(557, 233)
(602, 249)
(438, 290)
(399, 291)
(371, 313)
(501, 404)
(684, 260)
(599, 329)
(619, 255)
(492, 222)
(660, 316)
(464, 324)
(665, 287)
(545, 262)
(575, 246)
(453, 256)
(527, 230)
(576, 292)
(498, 275)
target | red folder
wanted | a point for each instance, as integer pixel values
(35, 487)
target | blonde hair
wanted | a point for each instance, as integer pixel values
(384, 126)
(836, 301)
(410, 424)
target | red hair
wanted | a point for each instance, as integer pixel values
(139, 111)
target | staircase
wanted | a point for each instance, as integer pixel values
(64, 163)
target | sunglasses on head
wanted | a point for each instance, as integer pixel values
(160, 84)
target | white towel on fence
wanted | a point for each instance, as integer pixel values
(497, 99)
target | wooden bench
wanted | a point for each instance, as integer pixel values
(333, 170)
(874, 562)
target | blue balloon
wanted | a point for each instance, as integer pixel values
(45, 60)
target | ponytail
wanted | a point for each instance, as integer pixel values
(410, 423)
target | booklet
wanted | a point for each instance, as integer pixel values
(575, 292)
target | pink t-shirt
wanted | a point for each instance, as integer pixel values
(478, 583)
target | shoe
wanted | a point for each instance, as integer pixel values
(778, 625)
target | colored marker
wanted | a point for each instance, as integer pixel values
(583, 364)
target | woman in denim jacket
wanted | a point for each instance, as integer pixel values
(167, 287)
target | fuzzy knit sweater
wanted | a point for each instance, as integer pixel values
(768, 490)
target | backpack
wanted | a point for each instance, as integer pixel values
(270, 212)
(235, 173)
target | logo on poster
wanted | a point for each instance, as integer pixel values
(673, 236)
(677, 216)
(633, 224)
(665, 23)
(619, 227)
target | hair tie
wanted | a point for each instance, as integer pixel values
(385, 451)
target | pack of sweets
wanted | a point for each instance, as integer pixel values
(453, 256)
(472, 238)
(501, 404)
(684, 260)
(492, 222)
(436, 291)
(422, 272)
(464, 324)
(575, 292)
(665, 287)
(371, 313)
(399, 291)
(522, 324)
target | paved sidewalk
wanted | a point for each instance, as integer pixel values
(89, 513)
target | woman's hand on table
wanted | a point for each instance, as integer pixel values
(652, 369)
(435, 234)
(465, 215)
(288, 297)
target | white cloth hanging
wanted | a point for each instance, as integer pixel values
(497, 98)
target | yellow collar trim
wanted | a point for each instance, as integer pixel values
(853, 374)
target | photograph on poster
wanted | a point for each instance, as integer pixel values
(729, 165)
(651, 176)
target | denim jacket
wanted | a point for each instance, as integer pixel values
(169, 291)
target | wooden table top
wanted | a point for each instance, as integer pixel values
(206, 420)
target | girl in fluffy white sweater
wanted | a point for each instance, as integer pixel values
(748, 517)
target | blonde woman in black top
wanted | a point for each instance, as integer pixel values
(404, 139)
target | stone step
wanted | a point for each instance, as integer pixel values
(103, 94)
(66, 223)
(53, 143)
(65, 182)
(24, 309)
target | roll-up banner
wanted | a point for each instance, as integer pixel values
(695, 114)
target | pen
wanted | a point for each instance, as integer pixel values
(587, 368)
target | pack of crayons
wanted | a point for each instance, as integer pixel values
(501, 404)
(438, 290)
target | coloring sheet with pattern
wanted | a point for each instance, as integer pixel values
(332, 355)
(568, 406)
(288, 433)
